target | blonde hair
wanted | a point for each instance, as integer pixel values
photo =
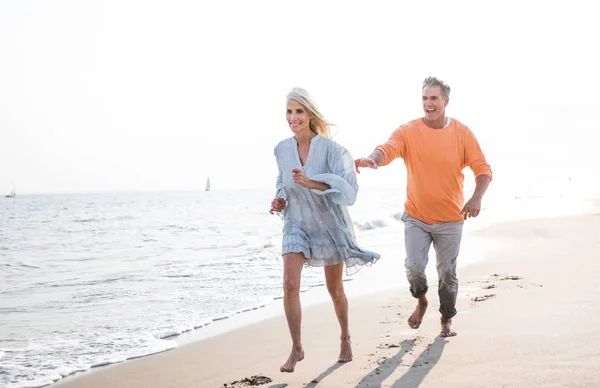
(317, 124)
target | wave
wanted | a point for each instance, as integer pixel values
(103, 219)
(60, 372)
(19, 264)
(166, 343)
(371, 224)
(84, 220)
(78, 283)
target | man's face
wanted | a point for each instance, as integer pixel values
(434, 102)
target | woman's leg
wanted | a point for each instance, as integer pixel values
(292, 268)
(335, 286)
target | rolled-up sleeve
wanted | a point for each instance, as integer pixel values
(475, 158)
(342, 179)
(395, 147)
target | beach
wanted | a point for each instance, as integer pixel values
(137, 246)
(527, 317)
(100, 279)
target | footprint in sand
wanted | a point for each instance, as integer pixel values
(525, 286)
(478, 281)
(511, 277)
(388, 346)
(482, 298)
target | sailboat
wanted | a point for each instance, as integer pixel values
(13, 193)
(207, 188)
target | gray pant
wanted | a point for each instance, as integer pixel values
(446, 238)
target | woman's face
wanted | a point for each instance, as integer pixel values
(297, 117)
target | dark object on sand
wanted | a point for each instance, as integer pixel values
(250, 381)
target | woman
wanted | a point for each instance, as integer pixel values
(316, 183)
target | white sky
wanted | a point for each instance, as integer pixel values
(156, 95)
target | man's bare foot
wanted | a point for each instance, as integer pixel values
(345, 350)
(414, 321)
(447, 328)
(295, 356)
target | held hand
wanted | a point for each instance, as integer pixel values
(301, 179)
(277, 205)
(472, 207)
(364, 162)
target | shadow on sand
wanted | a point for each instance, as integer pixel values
(320, 377)
(316, 380)
(414, 375)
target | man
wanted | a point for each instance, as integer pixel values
(435, 149)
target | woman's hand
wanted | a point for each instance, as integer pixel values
(277, 205)
(301, 179)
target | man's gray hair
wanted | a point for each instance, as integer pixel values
(432, 81)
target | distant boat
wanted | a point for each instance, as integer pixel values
(207, 188)
(12, 194)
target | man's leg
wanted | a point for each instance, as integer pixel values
(446, 242)
(417, 241)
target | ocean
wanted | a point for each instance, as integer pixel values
(93, 279)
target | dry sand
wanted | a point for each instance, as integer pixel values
(529, 316)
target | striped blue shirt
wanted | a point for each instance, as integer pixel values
(316, 222)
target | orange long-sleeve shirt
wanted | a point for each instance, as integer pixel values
(434, 160)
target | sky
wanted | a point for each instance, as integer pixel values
(109, 96)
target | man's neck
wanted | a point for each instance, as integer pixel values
(436, 124)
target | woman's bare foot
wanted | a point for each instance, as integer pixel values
(414, 321)
(345, 350)
(447, 328)
(295, 356)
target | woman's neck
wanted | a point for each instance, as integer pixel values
(304, 137)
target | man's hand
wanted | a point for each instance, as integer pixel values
(472, 207)
(277, 205)
(364, 162)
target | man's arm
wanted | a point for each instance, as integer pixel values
(395, 147)
(473, 206)
(481, 184)
(377, 157)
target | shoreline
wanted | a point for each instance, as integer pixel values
(365, 280)
(271, 338)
